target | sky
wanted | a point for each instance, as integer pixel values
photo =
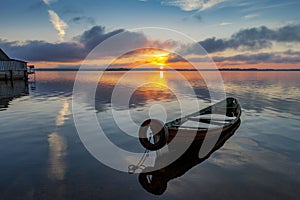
(235, 33)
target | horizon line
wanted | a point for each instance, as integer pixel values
(158, 69)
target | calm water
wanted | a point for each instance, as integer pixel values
(42, 157)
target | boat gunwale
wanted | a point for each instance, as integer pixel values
(237, 108)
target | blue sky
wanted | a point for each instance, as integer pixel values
(60, 21)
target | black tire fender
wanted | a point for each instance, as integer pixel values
(160, 133)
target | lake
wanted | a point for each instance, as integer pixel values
(43, 157)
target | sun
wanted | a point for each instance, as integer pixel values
(159, 59)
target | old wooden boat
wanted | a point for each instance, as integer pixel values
(154, 179)
(154, 134)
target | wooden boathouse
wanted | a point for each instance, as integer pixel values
(11, 69)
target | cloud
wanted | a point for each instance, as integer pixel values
(92, 37)
(286, 57)
(268, 6)
(58, 24)
(45, 51)
(249, 39)
(72, 51)
(75, 50)
(292, 53)
(260, 58)
(48, 2)
(173, 58)
(198, 16)
(210, 3)
(190, 5)
(225, 23)
(213, 44)
(78, 48)
(289, 33)
(251, 16)
(82, 19)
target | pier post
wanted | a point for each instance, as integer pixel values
(11, 75)
(25, 75)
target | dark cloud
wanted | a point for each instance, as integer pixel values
(167, 44)
(44, 51)
(80, 46)
(114, 47)
(250, 39)
(173, 58)
(292, 53)
(288, 34)
(69, 51)
(213, 44)
(83, 20)
(94, 36)
(259, 58)
(198, 16)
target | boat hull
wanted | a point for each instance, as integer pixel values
(208, 122)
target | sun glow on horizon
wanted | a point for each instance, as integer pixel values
(159, 59)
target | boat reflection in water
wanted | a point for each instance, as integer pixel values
(156, 181)
(12, 90)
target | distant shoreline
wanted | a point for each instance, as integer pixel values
(157, 69)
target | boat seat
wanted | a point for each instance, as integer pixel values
(213, 117)
(195, 124)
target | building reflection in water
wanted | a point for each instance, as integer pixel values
(156, 182)
(58, 146)
(11, 90)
